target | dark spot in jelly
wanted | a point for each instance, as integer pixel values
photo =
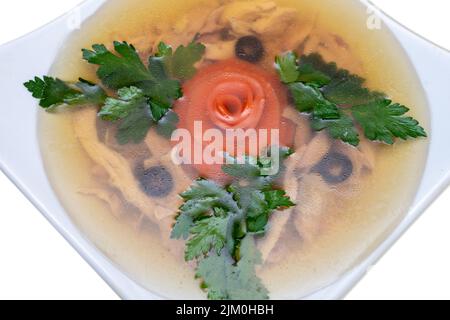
(156, 182)
(250, 49)
(335, 168)
(225, 35)
(102, 129)
(340, 42)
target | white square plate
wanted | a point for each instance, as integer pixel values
(21, 161)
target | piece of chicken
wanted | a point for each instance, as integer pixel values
(279, 219)
(332, 48)
(122, 177)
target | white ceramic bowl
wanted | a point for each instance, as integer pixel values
(20, 157)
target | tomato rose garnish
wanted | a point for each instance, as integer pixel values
(232, 95)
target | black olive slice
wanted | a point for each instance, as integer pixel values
(335, 168)
(156, 182)
(250, 49)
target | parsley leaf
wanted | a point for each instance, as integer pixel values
(255, 192)
(277, 199)
(215, 217)
(180, 64)
(252, 201)
(134, 127)
(226, 280)
(127, 69)
(53, 92)
(129, 100)
(206, 189)
(247, 170)
(133, 109)
(202, 199)
(164, 89)
(209, 233)
(167, 124)
(291, 70)
(338, 101)
(342, 129)
(310, 99)
(182, 227)
(383, 121)
(257, 173)
(343, 88)
(287, 67)
(118, 71)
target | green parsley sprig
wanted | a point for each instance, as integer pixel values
(144, 93)
(53, 92)
(338, 102)
(220, 224)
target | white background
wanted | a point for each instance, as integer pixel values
(37, 263)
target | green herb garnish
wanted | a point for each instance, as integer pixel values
(382, 121)
(144, 95)
(226, 279)
(338, 102)
(123, 69)
(53, 92)
(181, 63)
(137, 114)
(220, 223)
